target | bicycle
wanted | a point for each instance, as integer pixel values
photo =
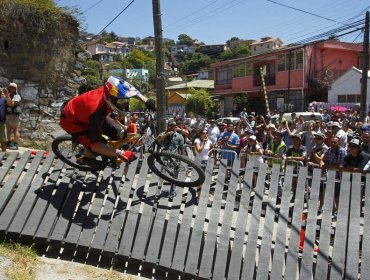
(165, 164)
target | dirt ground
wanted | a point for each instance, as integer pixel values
(55, 269)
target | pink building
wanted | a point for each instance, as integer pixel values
(294, 75)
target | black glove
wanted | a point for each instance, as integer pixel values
(150, 104)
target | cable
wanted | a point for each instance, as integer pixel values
(208, 14)
(124, 9)
(303, 11)
(191, 14)
(89, 8)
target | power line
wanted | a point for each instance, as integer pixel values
(208, 15)
(89, 8)
(124, 9)
(303, 11)
(191, 14)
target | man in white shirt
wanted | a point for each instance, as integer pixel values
(213, 131)
(339, 133)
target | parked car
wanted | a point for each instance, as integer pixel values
(306, 115)
(234, 120)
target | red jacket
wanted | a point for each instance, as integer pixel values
(86, 112)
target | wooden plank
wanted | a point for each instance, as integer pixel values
(310, 232)
(192, 260)
(321, 271)
(42, 201)
(168, 246)
(27, 204)
(250, 255)
(115, 231)
(278, 260)
(5, 167)
(293, 249)
(133, 215)
(236, 257)
(102, 228)
(51, 214)
(80, 218)
(353, 239)
(207, 254)
(265, 249)
(339, 250)
(67, 209)
(146, 221)
(89, 228)
(365, 258)
(223, 245)
(156, 235)
(18, 196)
(9, 186)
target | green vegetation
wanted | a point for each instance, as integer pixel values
(199, 103)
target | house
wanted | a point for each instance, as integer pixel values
(294, 76)
(212, 50)
(149, 48)
(178, 94)
(103, 51)
(182, 49)
(150, 40)
(266, 44)
(347, 88)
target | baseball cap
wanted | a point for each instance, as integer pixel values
(299, 136)
(319, 135)
(249, 131)
(253, 137)
(355, 142)
(172, 122)
(14, 85)
(336, 124)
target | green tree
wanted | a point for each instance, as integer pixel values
(241, 101)
(199, 102)
(196, 62)
(185, 40)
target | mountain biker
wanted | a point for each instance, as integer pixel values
(87, 117)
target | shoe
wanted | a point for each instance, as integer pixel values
(9, 144)
(13, 147)
(172, 195)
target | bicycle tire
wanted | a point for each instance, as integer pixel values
(69, 158)
(200, 176)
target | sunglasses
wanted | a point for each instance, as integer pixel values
(204, 132)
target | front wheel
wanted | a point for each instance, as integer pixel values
(68, 150)
(176, 169)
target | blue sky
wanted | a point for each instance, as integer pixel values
(216, 21)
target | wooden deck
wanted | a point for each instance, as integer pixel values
(246, 232)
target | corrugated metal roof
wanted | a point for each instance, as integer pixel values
(207, 84)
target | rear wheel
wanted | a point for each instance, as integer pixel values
(68, 150)
(176, 169)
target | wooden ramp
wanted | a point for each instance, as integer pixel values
(245, 232)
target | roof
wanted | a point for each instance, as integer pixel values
(206, 84)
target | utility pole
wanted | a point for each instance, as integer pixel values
(365, 68)
(160, 82)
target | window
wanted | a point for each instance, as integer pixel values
(349, 98)
(282, 62)
(296, 61)
(341, 98)
(224, 76)
(299, 59)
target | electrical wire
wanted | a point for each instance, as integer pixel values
(124, 9)
(303, 11)
(89, 8)
(208, 15)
